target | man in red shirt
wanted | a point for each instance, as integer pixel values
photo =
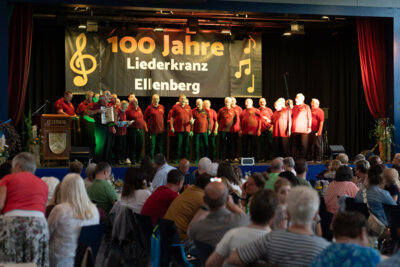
(83, 105)
(64, 106)
(120, 135)
(236, 129)
(227, 117)
(266, 133)
(201, 130)
(280, 132)
(154, 117)
(180, 123)
(158, 203)
(212, 114)
(301, 127)
(315, 137)
(86, 126)
(135, 131)
(250, 128)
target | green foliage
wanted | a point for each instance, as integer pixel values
(383, 131)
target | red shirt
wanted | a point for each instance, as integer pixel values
(136, 115)
(154, 117)
(181, 116)
(226, 119)
(158, 203)
(213, 118)
(239, 112)
(201, 121)
(301, 118)
(25, 191)
(280, 123)
(68, 108)
(265, 112)
(121, 117)
(250, 118)
(317, 118)
(82, 107)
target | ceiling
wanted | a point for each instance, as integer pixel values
(180, 20)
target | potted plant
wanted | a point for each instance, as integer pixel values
(383, 134)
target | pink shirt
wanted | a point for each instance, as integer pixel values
(337, 189)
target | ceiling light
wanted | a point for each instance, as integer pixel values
(287, 33)
(226, 31)
(325, 17)
(159, 29)
(82, 26)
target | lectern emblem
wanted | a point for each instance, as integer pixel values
(57, 142)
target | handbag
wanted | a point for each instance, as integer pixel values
(374, 224)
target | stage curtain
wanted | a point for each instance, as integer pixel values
(371, 46)
(19, 55)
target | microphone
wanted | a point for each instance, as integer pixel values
(47, 101)
(286, 73)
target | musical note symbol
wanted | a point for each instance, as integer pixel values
(247, 50)
(251, 88)
(77, 62)
(247, 70)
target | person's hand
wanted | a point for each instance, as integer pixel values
(215, 133)
(172, 130)
(240, 132)
(191, 133)
(192, 121)
(258, 132)
(113, 130)
(209, 132)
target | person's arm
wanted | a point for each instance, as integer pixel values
(215, 260)
(234, 259)
(3, 197)
(230, 205)
(201, 214)
(321, 126)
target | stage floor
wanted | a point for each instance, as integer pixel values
(119, 171)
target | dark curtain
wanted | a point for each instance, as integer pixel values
(19, 55)
(323, 66)
(371, 44)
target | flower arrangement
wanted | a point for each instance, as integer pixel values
(383, 135)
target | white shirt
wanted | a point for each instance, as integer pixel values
(64, 231)
(136, 201)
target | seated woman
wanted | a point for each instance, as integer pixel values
(254, 183)
(67, 218)
(375, 195)
(392, 183)
(134, 192)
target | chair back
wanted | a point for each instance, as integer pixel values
(393, 217)
(145, 230)
(326, 220)
(352, 205)
(91, 235)
(204, 250)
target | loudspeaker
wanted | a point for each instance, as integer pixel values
(81, 153)
(247, 161)
(336, 150)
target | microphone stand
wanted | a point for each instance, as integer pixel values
(39, 109)
(288, 107)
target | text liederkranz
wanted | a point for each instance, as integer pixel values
(153, 64)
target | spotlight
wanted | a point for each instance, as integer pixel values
(159, 29)
(287, 33)
(226, 31)
(325, 17)
(82, 26)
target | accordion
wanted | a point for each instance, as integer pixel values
(108, 116)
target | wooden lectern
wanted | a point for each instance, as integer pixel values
(56, 136)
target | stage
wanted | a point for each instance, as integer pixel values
(119, 172)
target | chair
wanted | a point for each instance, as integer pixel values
(326, 220)
(393, 217)
(204, 250)
(91, 236)
(145, 230)
(352, 205)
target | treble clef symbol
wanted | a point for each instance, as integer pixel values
(77, 62)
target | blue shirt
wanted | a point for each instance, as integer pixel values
(376, 197)
(160, 178)
(347, 255)
(392, 261)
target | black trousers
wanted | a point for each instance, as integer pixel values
(226, 140)
(281, 146)
(249, 145)
(299, 145)
(265, 145)
(315, 147)
(119, 147)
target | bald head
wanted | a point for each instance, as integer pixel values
(215, 195)
(184, 165)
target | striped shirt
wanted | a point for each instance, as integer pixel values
(283, 248)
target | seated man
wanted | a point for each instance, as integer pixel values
(158, 203)
(295, 246)
(209, 226)
(350, 247)
(263, 205)
(160, 178)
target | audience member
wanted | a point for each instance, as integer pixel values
(101, 191)
(296, 246)
(351, 241)
(301, 169)
(394, 260)
(330, 175)
(90, 175)
(160, 178)
(262, 208)
(183, 167)
(213, 169)
(24, 232)
(374, 194)
(290, 177)
(361, 171)
(158, 203)
(147, 166)
(359, 157)
(185, 206)
(343, 158)
(218, 216)
(67, 218)
(341, 186)
(75, 167)
(396, 159)
(52, 183)
(134, 191)
(391, 183)
(276, 169)
(225, 169)
(374, 160)
(255, 183)
(203, 166)
(55, 200)
(282, 188)
(288, 165)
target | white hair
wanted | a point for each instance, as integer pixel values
(26, 162)
(228, 98)
(74, 193)
(301, 96)
(302, 205)
(203, 164)
(315, 100)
